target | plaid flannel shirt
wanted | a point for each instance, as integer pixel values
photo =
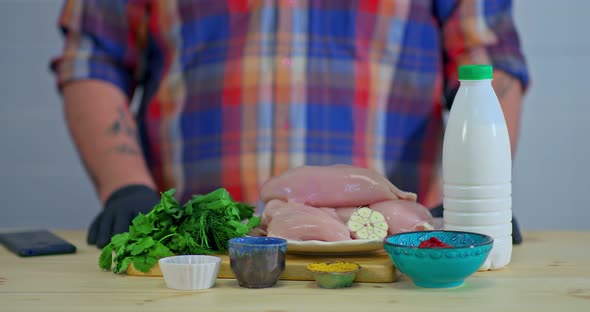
(235, 91)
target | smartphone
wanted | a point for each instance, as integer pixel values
(35, 243)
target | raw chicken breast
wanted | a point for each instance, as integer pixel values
(282, 218)
(331, 186)
(271, 208)
(344, 213)
(296, 221)
(404, 215)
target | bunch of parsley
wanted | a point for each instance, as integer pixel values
(202, 226)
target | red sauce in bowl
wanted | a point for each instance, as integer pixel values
(433, 242)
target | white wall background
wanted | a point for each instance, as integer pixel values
(42, 183)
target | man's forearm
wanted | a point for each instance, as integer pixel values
(509, 92)
(105, 135)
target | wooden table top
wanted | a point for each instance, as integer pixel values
(550, 271)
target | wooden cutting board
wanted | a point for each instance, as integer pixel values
(375, 267)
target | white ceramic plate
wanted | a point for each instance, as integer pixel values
(351, 247)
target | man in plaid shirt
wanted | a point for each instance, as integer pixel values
(236, 91)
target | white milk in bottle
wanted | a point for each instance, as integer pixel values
(477, 165)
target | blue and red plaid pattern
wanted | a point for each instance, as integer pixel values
(236, 91)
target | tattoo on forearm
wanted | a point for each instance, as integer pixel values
(122, 125)
(123, 128)
(126, 149)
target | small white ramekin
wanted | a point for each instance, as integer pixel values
(190, 272)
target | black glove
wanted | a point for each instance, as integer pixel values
(120, 209)
(438, 212)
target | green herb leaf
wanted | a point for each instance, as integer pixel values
(143, 224)
(142, 246)
(253, 222)
(160, 251)
(188, 208)
(245, 211)
(105, 260)
(123, 264)
(144, 263)
(240, 228)
(219, 193)
(129, 248)
(119, 240)
(120, 253)
(202, 226)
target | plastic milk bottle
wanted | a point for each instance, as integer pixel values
(477, 165)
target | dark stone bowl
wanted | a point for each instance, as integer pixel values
(257, 262)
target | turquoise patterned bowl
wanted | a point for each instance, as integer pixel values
(436, 267)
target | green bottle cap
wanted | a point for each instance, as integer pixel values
(475, 72)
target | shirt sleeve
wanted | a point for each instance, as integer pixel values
(102, 40)
(479, 31)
